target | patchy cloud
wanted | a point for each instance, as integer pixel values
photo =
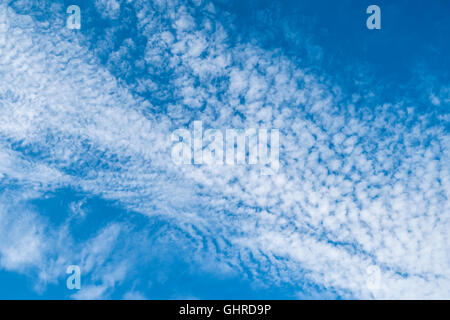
(361, 183)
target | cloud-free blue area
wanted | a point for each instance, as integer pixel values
(331, 37)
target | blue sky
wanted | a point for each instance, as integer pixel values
(87, 179)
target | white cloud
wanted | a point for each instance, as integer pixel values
(134, 295)
(354, 190)
(108, 8)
